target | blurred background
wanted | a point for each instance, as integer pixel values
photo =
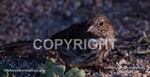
(31, 19)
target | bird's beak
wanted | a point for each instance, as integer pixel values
(90, 29)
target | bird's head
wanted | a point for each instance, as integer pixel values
(99, 25)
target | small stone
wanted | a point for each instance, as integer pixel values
(122, 61)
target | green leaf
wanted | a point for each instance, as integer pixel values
(7, 74)
(53, 70)
(75, 72)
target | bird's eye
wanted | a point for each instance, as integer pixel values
(101, 23)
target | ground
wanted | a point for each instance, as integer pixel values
(30, 19)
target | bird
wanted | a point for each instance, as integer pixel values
(95, 26)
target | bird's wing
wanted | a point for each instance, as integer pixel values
(74, 56)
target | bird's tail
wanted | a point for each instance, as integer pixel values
(15, 45)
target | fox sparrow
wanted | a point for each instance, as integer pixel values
(95, 26)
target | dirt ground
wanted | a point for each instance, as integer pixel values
(22, 20)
